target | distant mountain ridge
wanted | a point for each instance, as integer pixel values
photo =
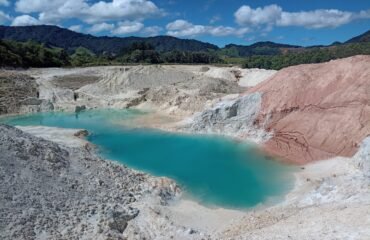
(54, 36)
(69, 40)
(365, 37)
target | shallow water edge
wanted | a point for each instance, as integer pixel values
(212, 170)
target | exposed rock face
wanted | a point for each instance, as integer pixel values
(192, 95)
(362, 157)
(317, 111)
(51, 191)
(80, 108)
(232, 117)
(32, 105)
(171, 88)
(75, 81)
(120, 80)
(19, 94)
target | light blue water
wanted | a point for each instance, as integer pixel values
(212, 170)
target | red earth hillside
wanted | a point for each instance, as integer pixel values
(317, 111)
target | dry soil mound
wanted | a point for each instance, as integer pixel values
(317, 111)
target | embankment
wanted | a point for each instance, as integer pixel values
(310, 112)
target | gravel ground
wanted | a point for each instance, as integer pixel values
(54, 191)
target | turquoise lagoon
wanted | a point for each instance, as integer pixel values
(212, 170)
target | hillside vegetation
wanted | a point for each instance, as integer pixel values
(31, 54)
(51, 46)
(260, 48)
(313, 55)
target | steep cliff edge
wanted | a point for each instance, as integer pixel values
(316, 111)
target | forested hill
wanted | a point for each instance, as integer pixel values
(260, 48)
(54, 36)
(52, 46)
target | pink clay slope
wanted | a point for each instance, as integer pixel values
(317, 111)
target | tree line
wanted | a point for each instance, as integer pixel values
(312, 55)
(32, 54)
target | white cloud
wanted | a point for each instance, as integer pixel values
(68, 9)
(76, 28)
(4, 3)
(30, 6)
(57, 10)
(122, 9)
(127, 27)
(316, 19)
(25, 20)
(183, 28)
(215, 19)
(4, 17)
(178, 25)
(245, 15)
(227, 31)
(152, 31)
(273, 15)
(101, 27)
(364, 14)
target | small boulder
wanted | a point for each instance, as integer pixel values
(80, 108)
(119, 219)
(81, 134)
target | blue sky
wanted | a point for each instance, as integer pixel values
(305, 22)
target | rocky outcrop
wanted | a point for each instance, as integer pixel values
(51, 191)
(184, 89)
(192, 95)
(317, 111)
(232, 117)
(19, 94)
(362, 157)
